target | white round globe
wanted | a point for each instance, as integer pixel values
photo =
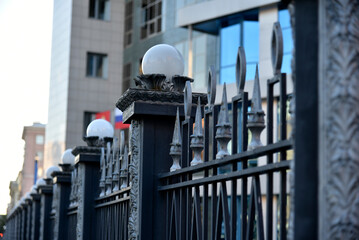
(40, 182)
(100, 128)
(163, 59)
(34, 189)
(50, 170)
(68, 157)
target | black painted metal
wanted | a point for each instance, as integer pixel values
(45, 222)
(223, 175)
(113, 210)
(63, 182)
(35, 216)
(306, 124)
(29, 219)
(71, 223)
(88, 191)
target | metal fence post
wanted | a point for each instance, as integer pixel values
(45, 208)
(35, 226)
(88, 165)
(152, 116)
(62, 181)
(29, 218)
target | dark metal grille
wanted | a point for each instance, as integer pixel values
(112, 215)
(223, 197)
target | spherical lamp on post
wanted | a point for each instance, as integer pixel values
(68, 160)
(40, 182)
(49, 172)
(162, 67)
(98, 133)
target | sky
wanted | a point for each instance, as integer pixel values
(25, 53)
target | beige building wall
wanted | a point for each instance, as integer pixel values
(73, 93)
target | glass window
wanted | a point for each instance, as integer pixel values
(97, 65)
(245, 33)
(284, 20)
(39, 139)
(151, 19)
(128, 23)
(100, 9)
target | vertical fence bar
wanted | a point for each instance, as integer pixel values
(283, 156)
(269, 203)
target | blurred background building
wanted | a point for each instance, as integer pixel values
(86, 60)
(32, 168)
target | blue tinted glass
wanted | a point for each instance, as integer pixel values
(287, 40)
(228, 74)
(251, 71)
(286, 65)
(251, 40)
(229, 44)
(284, 18)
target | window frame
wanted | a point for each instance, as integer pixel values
(149, 18)
(92, 61)
(95, 11)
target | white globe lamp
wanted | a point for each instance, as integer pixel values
(68, 157)
(50, 170)
(163, 59)
(100, 128)
(40, 182)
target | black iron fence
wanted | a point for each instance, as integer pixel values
(193, 169)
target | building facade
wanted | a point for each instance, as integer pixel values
(86, 71)
(33, 166)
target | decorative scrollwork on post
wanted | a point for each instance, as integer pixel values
(224, 129)
(339, 118)
(197, 144)
(176, 145)
(256, 115)
(133, 224)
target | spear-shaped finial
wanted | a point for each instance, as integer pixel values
(256, 98)
(256, 115)
(223, 133)
(197, 137)
(176, 145)
(109, 169)
(103, 172)
(116, 163)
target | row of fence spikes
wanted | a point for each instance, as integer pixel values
(114, 167)
(224, 129)
(223, 133)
